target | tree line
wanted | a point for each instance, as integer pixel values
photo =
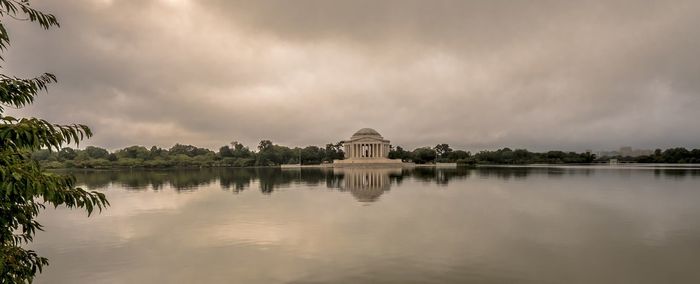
(269, 154)
(677, 155)
(183, 156)
(443, 153)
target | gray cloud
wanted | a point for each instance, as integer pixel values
(474, 74)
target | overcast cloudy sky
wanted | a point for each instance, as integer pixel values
(569, 75)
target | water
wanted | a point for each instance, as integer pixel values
(487, 225)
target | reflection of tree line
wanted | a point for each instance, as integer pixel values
(269, 179)
(445, 176)
(229, 179)
(241, 179)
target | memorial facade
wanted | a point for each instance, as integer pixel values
(366, 143)
(366, 146)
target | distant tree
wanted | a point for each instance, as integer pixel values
(188, 150)
(81, 156)
(442, 149)
(454, 156)
(157, 152)
(240, 151)
(588, 157)
(676, 155)
(264, 145)
(399, 153)
(267, 156)
(134, 152)
(235, 145)
(225, 151)
(424, 155)
(96, 152)
(695, 156)
(334, 152)
(26, 188)
(312, 155)
(67, 153)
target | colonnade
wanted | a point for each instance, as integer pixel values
(367, 150)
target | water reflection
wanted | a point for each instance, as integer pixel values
(366, 184)
(425, 225)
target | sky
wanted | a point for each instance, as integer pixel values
(541, 75)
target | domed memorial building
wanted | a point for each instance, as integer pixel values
(366, 146)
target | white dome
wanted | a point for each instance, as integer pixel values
(367, 132)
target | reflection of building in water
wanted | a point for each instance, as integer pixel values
(366, 185)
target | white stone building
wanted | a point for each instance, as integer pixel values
(366, 146)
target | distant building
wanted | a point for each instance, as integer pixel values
(366, 143)
(366, 146)
(625, 151)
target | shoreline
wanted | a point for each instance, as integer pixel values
(410, 165)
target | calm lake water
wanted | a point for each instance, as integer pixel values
(485, 225)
